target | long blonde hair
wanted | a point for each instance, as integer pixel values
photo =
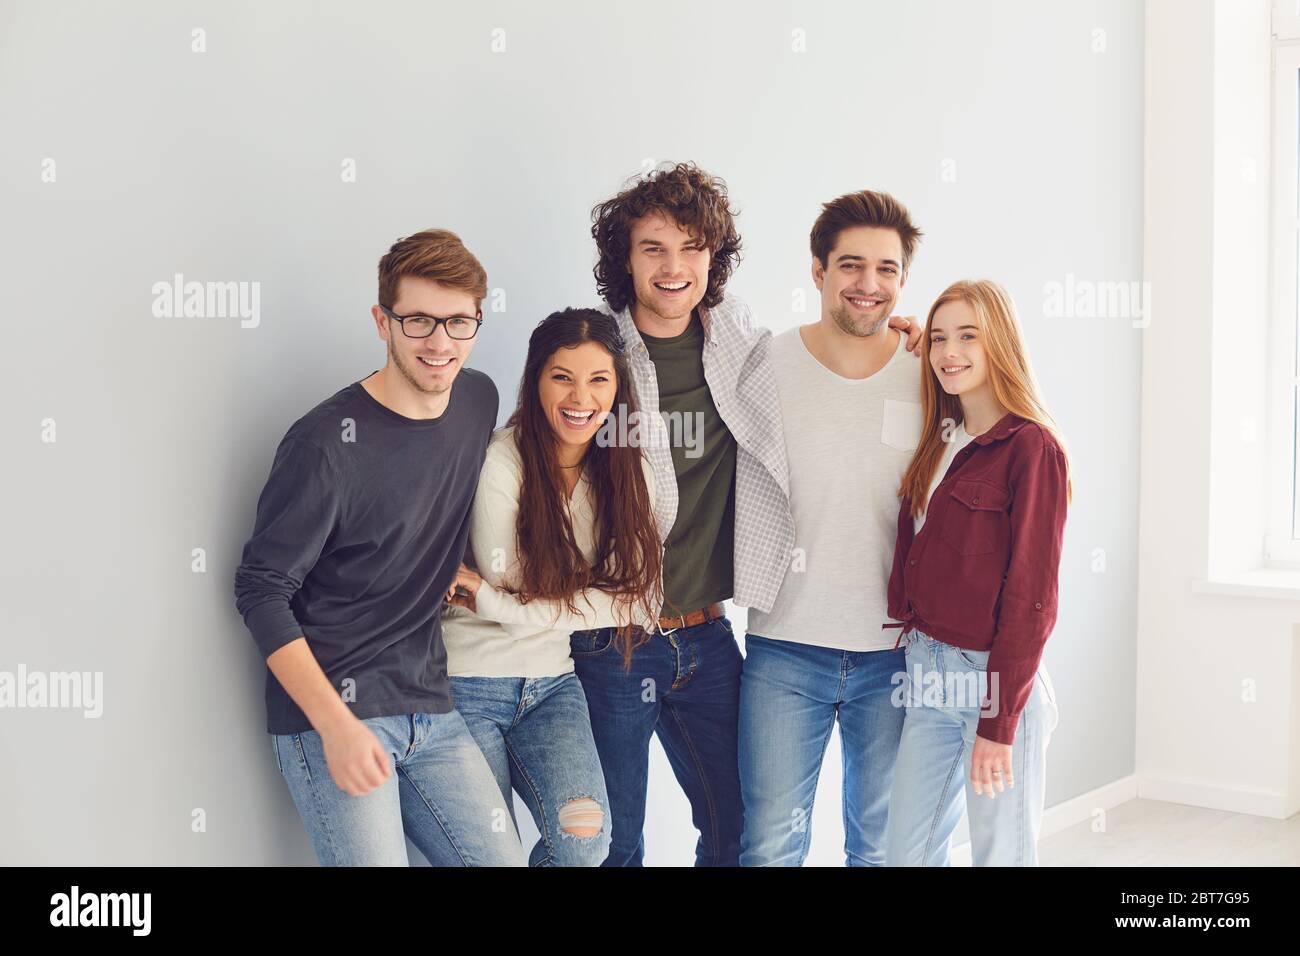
(1012, 380)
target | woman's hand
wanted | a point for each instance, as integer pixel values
(990, 767)
(907, 324)
(471, 581)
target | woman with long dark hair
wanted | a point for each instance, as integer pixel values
(562, 538)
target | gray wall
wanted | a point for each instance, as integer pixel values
(225, 166)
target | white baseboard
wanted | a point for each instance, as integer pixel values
(1259, 803)
(1078, 809)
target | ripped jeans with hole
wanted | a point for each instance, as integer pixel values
(536, 736)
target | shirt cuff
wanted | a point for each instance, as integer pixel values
(272, 625)
(490, 604)
(1000, 729)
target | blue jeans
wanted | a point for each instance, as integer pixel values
(943, 690)
(684, 686)
(790, 697)
(442, 796)
(536, 736)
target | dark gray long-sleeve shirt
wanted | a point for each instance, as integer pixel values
(359, 532)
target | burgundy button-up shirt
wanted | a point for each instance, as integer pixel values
(982, 572)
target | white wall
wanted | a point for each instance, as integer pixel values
(1013, 130)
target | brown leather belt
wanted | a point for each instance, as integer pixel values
(702, 616)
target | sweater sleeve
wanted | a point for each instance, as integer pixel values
(493, 542)
(296, 512)
(1027, 609)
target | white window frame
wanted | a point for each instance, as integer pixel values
(1286, 19)
(1281, 546)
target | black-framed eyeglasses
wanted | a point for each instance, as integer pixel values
(423, 326)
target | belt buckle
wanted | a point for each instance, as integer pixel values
(672, 630)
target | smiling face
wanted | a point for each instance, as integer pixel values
(861, 279)
(669, 267)
(956, 350)
(428, 365)
(577, 390)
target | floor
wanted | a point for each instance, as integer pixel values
(1152, 833)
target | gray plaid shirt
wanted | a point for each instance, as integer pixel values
(739, 374)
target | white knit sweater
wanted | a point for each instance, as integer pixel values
(505, 638)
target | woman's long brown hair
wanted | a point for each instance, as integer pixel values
(628, 560)
(1014, 385)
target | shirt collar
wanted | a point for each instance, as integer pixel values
(1006, 426)
(632, 340)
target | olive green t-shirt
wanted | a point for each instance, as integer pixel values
(699, 549)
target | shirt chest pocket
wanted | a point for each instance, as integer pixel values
(976, 520)
(900, 425)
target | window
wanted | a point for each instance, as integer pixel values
(1282, 543)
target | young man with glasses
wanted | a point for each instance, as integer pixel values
(360, 530)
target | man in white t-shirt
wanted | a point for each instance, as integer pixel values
(850, 407)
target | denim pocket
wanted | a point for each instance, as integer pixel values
(300, 754)
(965, 679)
(1046, 679)
(975, 660)
(591, 643)
(1049, 693)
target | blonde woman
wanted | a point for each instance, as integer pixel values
(974, 586)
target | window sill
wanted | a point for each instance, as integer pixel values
(1262, 583)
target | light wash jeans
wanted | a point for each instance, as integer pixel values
(932, 776)
(536, 736)
(791, 695)
(441, 794)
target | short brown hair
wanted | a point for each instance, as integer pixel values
(865, 208)
(684, 193)
(435, 254)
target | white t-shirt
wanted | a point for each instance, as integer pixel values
(848, 442)
(505, 638)
(960, 439)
